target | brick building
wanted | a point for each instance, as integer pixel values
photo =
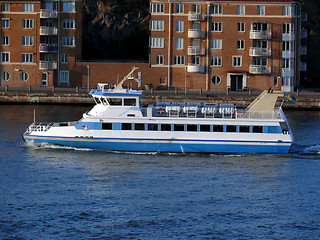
(40, 42)
(233, 44)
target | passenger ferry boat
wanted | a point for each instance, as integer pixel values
(118, 122)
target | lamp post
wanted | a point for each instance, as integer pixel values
(88, 67)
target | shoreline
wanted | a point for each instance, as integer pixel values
(306, 100)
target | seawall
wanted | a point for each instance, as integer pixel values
(304, 101)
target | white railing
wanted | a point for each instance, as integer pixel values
(194, 16)
(196, 68)
(48, 65)
(303, 66)
(256, 34)
(193, 50)
(48, 30)
(287, 72)
(48, 14)
(196, 33)
(303, 50)
(288, 36)
(288, 54)
(257, 51)
(259, 69)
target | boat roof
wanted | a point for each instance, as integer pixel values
(116, 92)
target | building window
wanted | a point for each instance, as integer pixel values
(179, 26)
(27, 7)
(287, 46)
(68, 41)
(195, 60)
(27, 41)
(216, 43)
(287, 81)
(216, 26)
(240, 45)
(241, 9)
(287, 63)
(157, 25)
(68, 6)
(69, 24)
(64, 58)
(157, 8)
(159, 59)
(259, 61)
(261, 10)
(5, 76)
(5, 7)
(237, 61)
(179, 43)
(5, 57)
(5, 22)
(5, 41)
(216, 61)
(288, 28)
(260, 26)
(24, 76)
(216, 80)
(288, 10)
(156, 42)
(260, 43)
(27, 57)
(240, 26)
(178, 60)
(216, 9)
(64, 76)
(196, 8)
(179, 8)
(27, 23)
(275, 81)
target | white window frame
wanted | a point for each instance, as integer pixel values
(25, 76)
(157, 8)
(159, 59)
(5, 76)
(5, 22)
(5, 57)
(216, 44)
(216, 27)
(288, 10)
(260, 61)
(179, 43)
(288, 28)
(261, 10)
(68, 41)
(27, 7)
(64, 77)
(241, 27)
(157, 25)
(241, 9)
(5, 40)
(216, 9)
(240, 44)
(179, 26)
(216, 61)
(69, 24)
(68, 7)
(178, 60)
(156, 42)
(27, 58)
(236, 61)
(27, 40)
(27, 23)
(179, 8)
(5, 7)
(64, 58)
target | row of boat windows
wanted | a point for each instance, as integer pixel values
(182, 127)
(116, 101)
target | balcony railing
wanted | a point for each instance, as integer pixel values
(304, 16)
(259, 69)
(303, 66)
(192, 50)
(288, 36)
(303, 50)
(303, 33)
(48, 48)
(287, 72)
(193, 16)
(196, 33)
(48, 30)
(48, 65)
(196, 68)
(48, 14)
(256, 51)
(256, 34)
(288, 54)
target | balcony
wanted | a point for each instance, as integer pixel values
(196, 51)
(304, 17)
(303, 66)
(46, 31)
(303, 33)
(257, 52)
(288, 54)
(196, 69)
(303, 50)
(48, 48)
(256, 34)
(48, 65)
(287, 72)
(48, 14)
(288, 37)
(195, 33)
(259, 69)
(193, 16)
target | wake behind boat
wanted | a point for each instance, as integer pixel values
(118, 122)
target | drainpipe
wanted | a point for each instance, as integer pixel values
(58, 45)
(169, 46)
(208, 25)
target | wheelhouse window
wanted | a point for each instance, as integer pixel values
(129, 102)
(115, 101)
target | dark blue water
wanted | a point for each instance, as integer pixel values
(56, 193)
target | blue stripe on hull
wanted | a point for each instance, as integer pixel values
(167, 147)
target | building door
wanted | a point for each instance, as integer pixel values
(44, 79)
(236, 82)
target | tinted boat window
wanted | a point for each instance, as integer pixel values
(244, 128)
(204, 128)
(257, 129)
(115, 101)
(192, 127)
(129, 101)
(126, 126)
(218, 128)
(152, 127)
(106, 126)
(165, 127)
(139, 126)
(178, 127)
(231, 128)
